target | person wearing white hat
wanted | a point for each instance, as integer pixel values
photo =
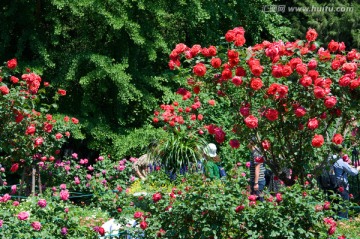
(211, 169)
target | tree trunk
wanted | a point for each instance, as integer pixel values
(33, 178)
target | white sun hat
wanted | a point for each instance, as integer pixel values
(210, 150)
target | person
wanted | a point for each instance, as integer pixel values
(257, 170)
(342, 170)
(211, 158)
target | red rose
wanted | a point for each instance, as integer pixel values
(351, 55)
(313, 124)
(256, 83)
(349, 67)
(342, 46)
(301, 69)
(195, 49)
(226, 74)
(199, 69)
(138, 215)
(234, 143)
(317, 141)
(313, 74)
(330, 101)
(251, 121)
(219, 135)
(232, 54)
(266, 144)
(300, 111)
(155, 120)
(211, 102)
(58, 136)
(277, 71)
(101, 231)
(215, 62)
(240, 71)
(39, 141)
(230, 36)
(271, 114)
(143, 225)
(4, 90)
(311, 35)
(287, 71)
(212, 50)
(331, 230)
(156, 197)
(335, 65)
(12, 64)
(239, 40)
(337, 139)
(14, 167)
(256, 70)
(344, 81)
(319, 92)
(326, 205)
(245, 111)
(14, 79)
(333, 46)
(239, 208)
(312, 64)
(294, 62)
(74, 120)
(61, 92)
(30, 130)
(306, 81)
(237, 80)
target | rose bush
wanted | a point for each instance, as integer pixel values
(296, 96)
(30, 136)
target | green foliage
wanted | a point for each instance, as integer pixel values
(111, 55)
(341, 26)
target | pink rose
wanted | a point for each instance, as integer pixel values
(156, 197)
(138, 215)
(23, 216)
(36, 225)
(251, 121)
(64, 195)
(42, 203)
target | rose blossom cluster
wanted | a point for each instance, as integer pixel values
(288, 61)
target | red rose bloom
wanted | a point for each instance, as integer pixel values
(212, 50)
(226, 74)
(317, 141)
(234, 143)
(251, 121)
(300, 112)
(215, 62)
(301, 69)
(4, 90)
(335, 65)
(333, 46)
(30, 130)
(312, 64)
(211, 102)
(256, 70)
(319, 92)
(138, 215)
(266, 144)
(337, 139)
(330, 101)
(237, 80)
(256, 83)
(306, 81)
(313, 124)
(14, 79)
(245, 111)
(344, 81)
(14, 167)
(143, 225)
(277, 71)
(39, 141)
(271, 114)
(311, 35)
(219, 135)
(239, 208)
(156, 197)
(287, 71)
(349, 67)
(199, 69)
(230, 36)
(101, 231)
(74, 120)
(61, 92)
(12, 64)
(240, 71)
